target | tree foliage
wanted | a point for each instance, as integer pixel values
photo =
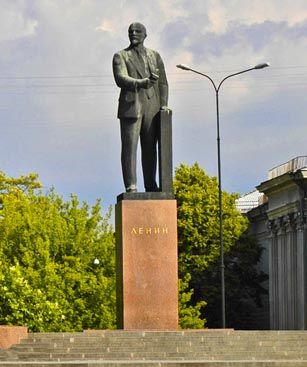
(198, 224)
(48, 280)
(189, 315)
(199, 248)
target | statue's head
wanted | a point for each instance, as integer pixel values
(137, 33)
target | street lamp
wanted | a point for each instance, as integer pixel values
(217, 88)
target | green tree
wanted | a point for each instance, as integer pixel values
(198, 224)
(48, 280)
(198, 227)
(189, 315)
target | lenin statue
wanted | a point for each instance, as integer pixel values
(140, 74)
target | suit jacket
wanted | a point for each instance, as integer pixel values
(126, 69)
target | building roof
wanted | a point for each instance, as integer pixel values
(250, 201)
(255, 198)
(293, 165)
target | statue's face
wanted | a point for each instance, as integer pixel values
(137, 34)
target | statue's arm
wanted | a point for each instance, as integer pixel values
(123, 80)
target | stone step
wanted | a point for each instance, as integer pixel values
(147, 356)
(156, 348)
(167, 354)
(159, 334)
(170, 343)
(175, 347)
(161, 363)
(166, 339)
(170, 356)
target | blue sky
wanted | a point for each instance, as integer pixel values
(58, 100)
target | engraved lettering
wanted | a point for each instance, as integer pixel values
(165, 230)
(140, 231)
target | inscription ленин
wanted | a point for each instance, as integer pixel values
(149, 231)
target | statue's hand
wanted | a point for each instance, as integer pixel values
(164, 108)
(145, 83)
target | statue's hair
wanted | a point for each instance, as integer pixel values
(140, 25)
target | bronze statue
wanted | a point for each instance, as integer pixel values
(140, 74)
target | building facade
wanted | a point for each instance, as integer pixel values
(279, 222)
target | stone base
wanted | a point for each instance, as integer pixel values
(147, 272)
(10, 335)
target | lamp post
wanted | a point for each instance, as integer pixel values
(217, 89)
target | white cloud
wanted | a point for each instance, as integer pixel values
(15, 23)
(171, 9)
(71, 134)
(223, 12)
(218, 17)
(106, 26)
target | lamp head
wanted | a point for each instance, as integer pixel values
(263, 65)
(183, 67)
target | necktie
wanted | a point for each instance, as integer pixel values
(140, 59)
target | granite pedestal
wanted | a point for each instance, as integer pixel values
(146, 254)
